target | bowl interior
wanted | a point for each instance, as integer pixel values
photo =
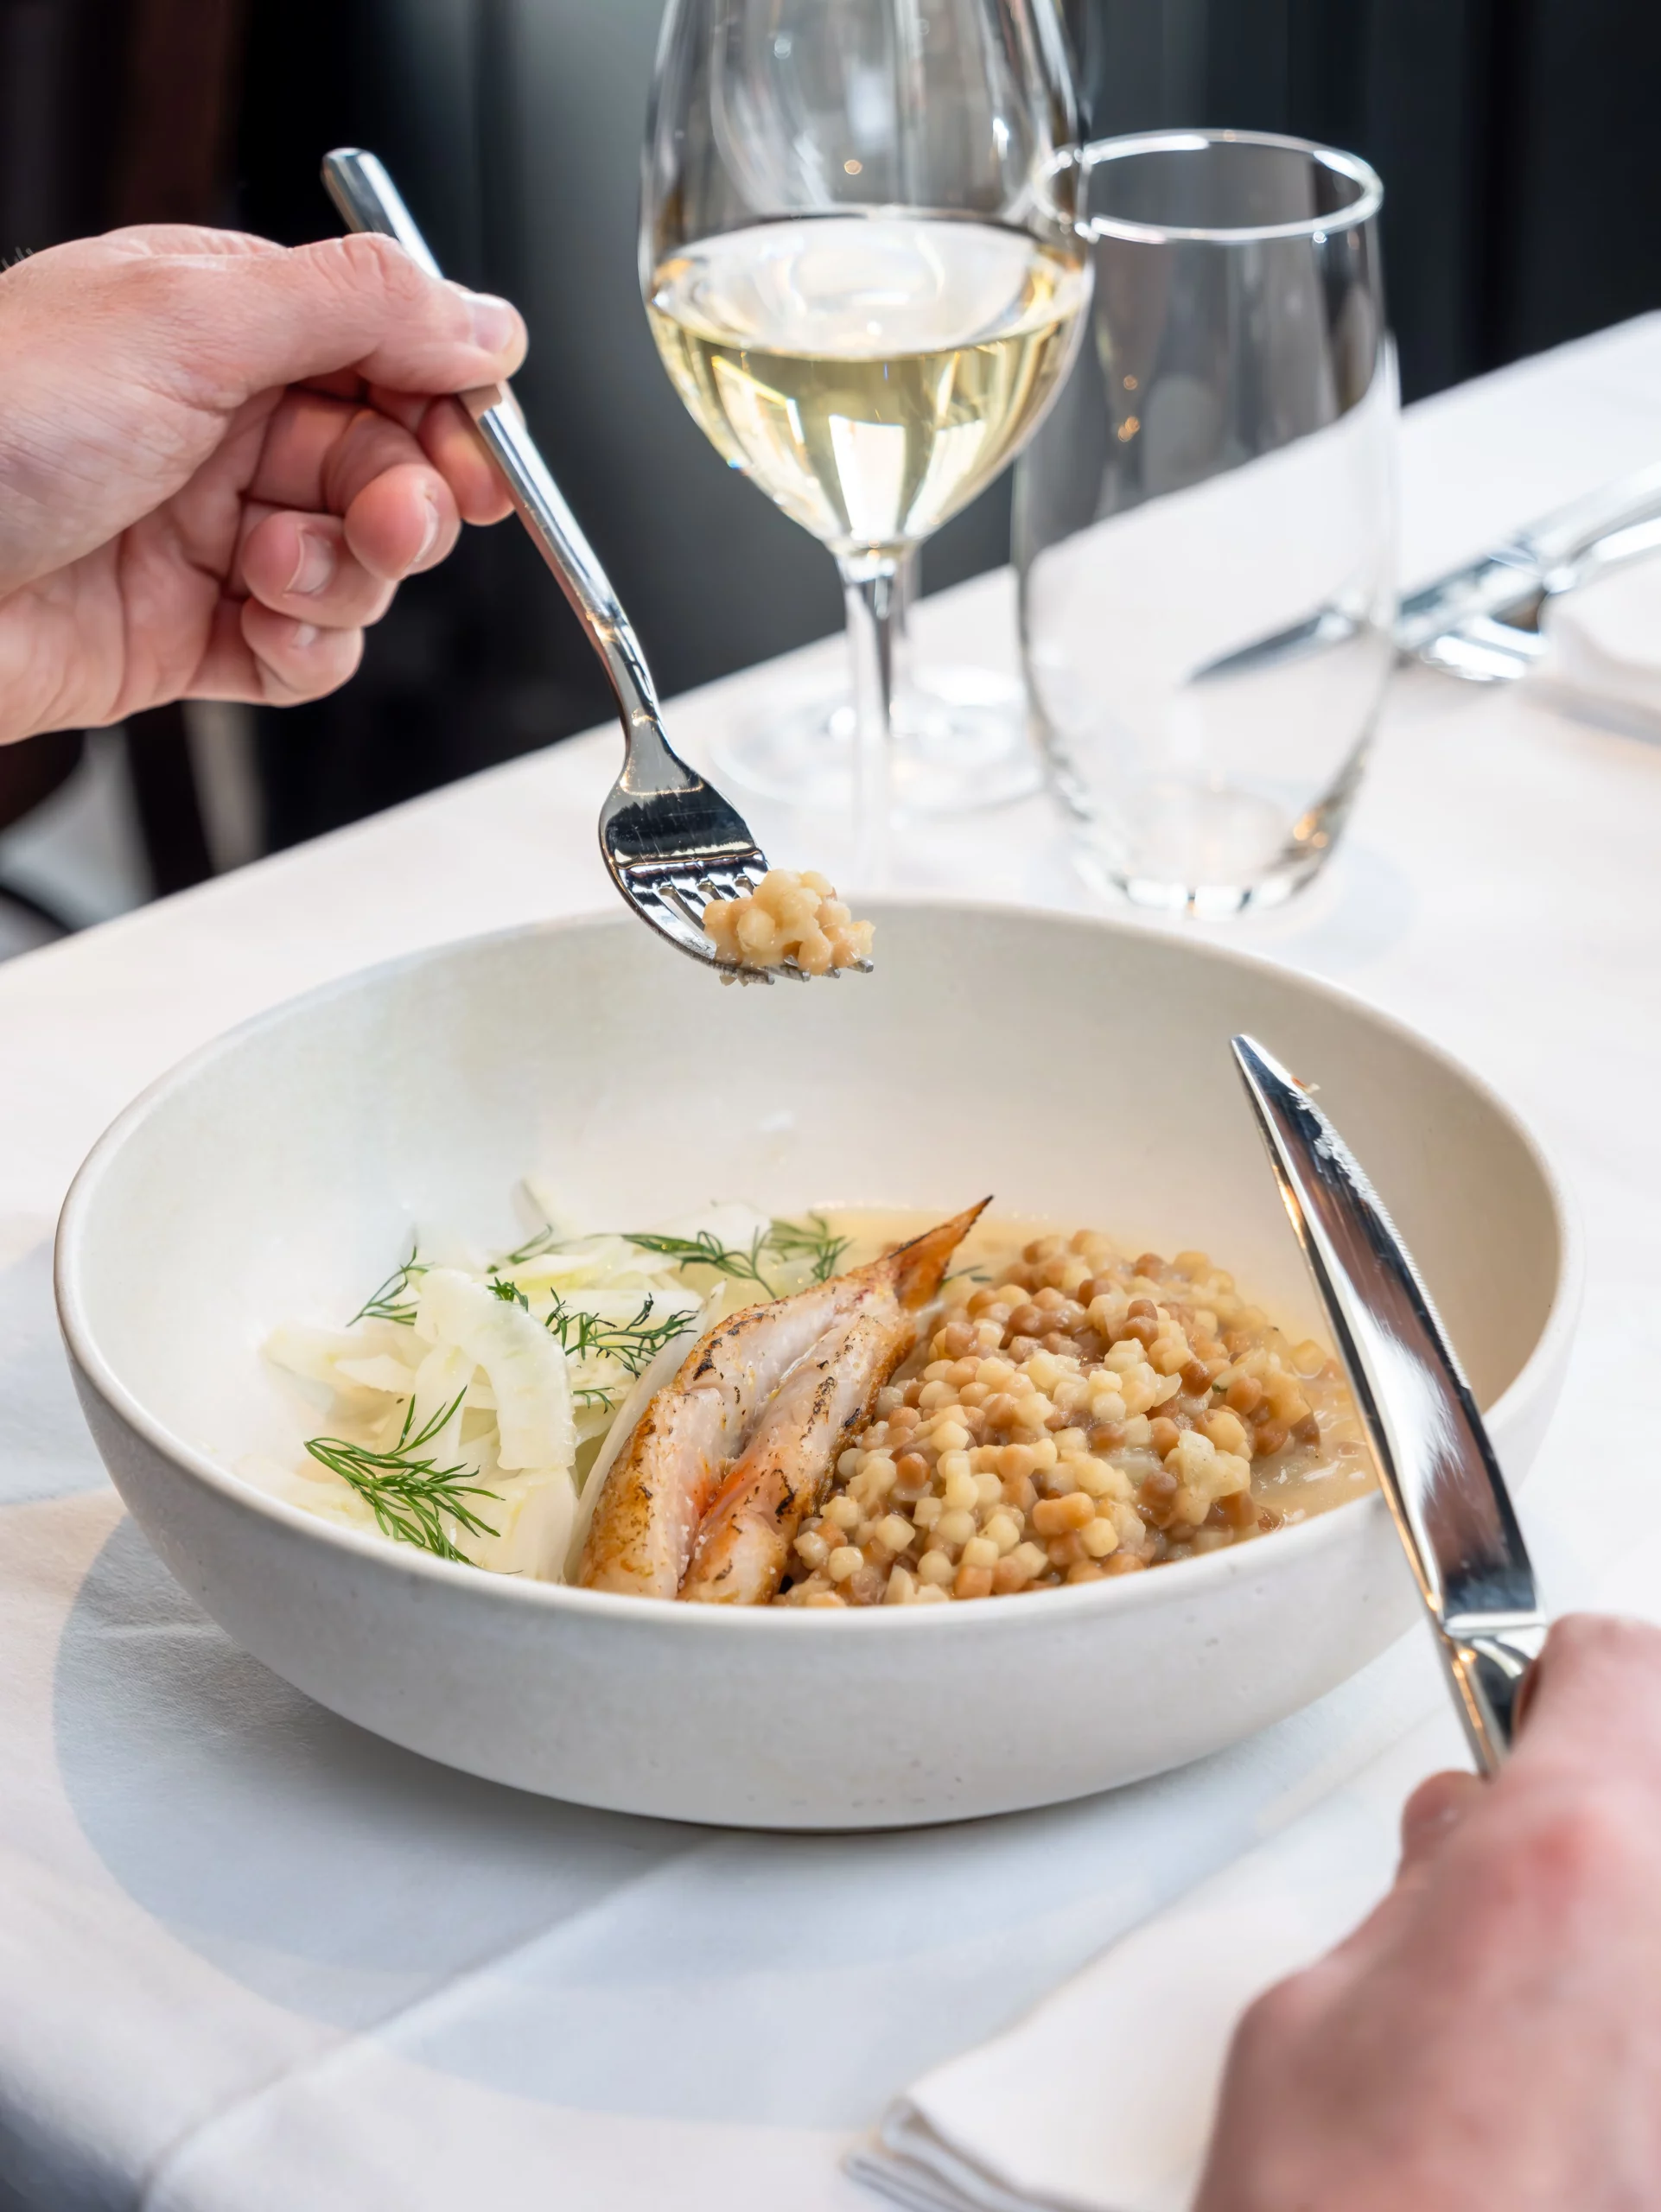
(1073, 1069)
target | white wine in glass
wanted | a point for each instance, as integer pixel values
(861, 270)
(871, 374)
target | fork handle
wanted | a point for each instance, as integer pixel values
(368, 199)
(540, 504)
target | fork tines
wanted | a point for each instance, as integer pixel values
(676, 896)
(675, 847)
(738, 885)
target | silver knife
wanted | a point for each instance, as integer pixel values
(1481, 621)
(1435, 1464)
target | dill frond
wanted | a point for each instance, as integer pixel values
(706, 1250)
(389, 1303)
(407, 1494)
(532, 1249)
(810, 1240)
(634, 1344)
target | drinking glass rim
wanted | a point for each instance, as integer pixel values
(1366, 204)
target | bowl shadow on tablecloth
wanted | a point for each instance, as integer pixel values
(45, 1451)
(572, 1957)
(310, 1858)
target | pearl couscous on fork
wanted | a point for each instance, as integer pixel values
(789, 921)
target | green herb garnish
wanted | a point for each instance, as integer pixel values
(388, 1303)
(408, 1495)
(545, 1240)
(634, 1344)
(707, 1250)
(810, 1240)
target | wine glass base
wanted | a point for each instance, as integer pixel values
(960, 744)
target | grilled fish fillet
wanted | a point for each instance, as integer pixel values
(661, 1487)
(745, 1541)
(752, 1426)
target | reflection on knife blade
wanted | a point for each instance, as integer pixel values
(1435, 1463)
(1317, 633)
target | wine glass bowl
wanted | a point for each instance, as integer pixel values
(871, 372)
(859, 267)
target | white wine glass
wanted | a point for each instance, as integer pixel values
(859, 266)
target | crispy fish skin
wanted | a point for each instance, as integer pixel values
(743, 1545)
(661, 1487)
(745, 1541)
(680, 1456)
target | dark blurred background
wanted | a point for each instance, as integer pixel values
(1523, 208)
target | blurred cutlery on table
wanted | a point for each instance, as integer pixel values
(1482, 621)
(1566, 600)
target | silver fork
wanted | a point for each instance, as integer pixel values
(670, 840)
(1482, 622)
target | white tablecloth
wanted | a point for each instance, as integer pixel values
(251, 1957)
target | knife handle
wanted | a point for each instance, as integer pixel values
(1488, 1660)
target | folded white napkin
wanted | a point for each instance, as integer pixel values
(1101, 2100)
(1605, 648)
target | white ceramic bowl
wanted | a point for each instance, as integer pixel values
(1076, 1069)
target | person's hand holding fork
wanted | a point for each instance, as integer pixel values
(219, 458)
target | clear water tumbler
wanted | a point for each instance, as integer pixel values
(1205, 525)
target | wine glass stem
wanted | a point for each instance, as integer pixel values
(870, 587)
(905, 589)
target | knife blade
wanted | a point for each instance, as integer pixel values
(1481, 620)
(1436, 1467)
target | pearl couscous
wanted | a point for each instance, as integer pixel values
(1075, 1415)
(791, 921)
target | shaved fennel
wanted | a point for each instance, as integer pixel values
(473, 1410)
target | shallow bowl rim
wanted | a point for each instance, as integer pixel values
(1192, 1578)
